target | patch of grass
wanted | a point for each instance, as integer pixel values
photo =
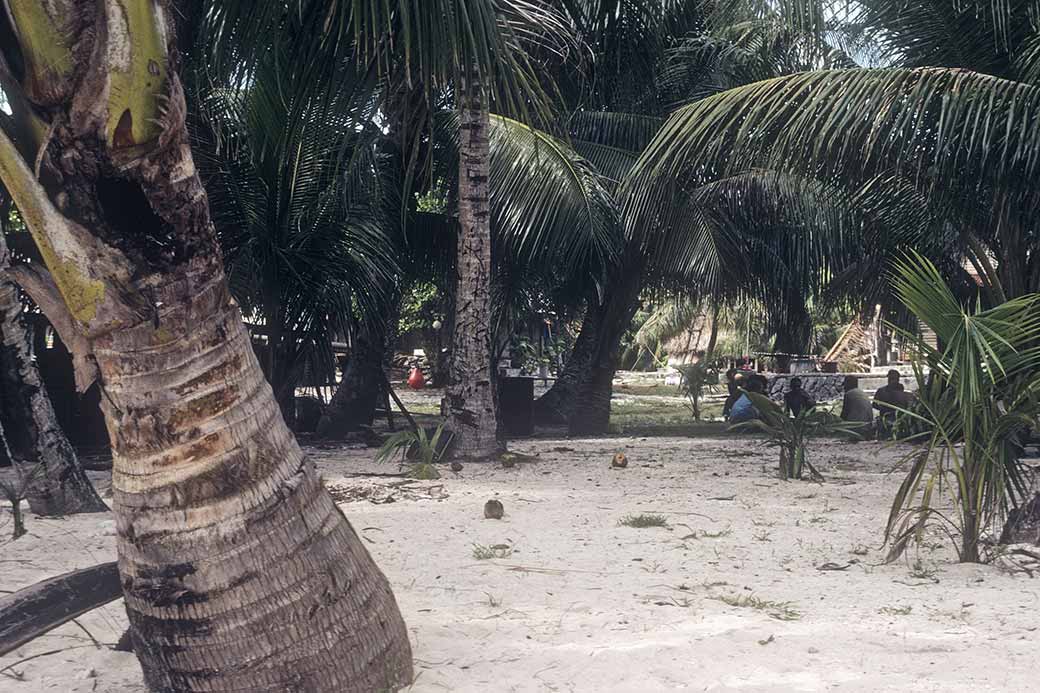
(424, 472)
(643, 521)
(781, 611)
(718, 583)
(896, 610)
(922, 572)
(659, 389)
(483, 553)
(763, 523)
(717, 535)
(653, 412)
(762, 536)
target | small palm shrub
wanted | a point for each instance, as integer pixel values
(790, 434)
(417, 450)
(16, 487)
(978, 395)
(697, 379)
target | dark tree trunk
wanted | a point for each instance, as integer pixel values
(38, 609)
(30, 425)
(794, 333)
(713, 337)
(357, 395)
(590, 411)
(556, 405)
(364, 379)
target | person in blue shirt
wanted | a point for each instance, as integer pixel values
(743, 410)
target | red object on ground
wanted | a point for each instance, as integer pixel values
(416, 379)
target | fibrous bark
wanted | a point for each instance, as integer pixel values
(354, 403)
(590, 411)
(60, 486)
(556, 405)
(469, 401)
(239, 571)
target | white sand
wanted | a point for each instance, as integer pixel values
(584, 604)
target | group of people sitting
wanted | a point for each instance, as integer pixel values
(856, 407)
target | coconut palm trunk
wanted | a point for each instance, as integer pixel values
(469, 401)
(354, 403)
(555, 405)
(239, 571)
(61, 487)
(590, 410)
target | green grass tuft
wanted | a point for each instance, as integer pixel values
(643, 521)
(483, 553)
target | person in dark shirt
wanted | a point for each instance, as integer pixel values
(889, 400)
(855, 406)
(797, 400)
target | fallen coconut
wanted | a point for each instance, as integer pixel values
(493, 510)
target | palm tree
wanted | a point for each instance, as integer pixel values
(238, 569)
(977, 396)
(297, 197)
(553, 224)
(672, 53)
(473, 54)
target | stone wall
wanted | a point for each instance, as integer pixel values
(826, 387)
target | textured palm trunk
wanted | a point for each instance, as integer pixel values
(239, 571)
(590, 411)
(61, 487)
(556, 405)
(469, 401)
(354, 403)
(359, 392)
(713, 337)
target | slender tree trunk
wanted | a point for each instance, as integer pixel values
(61, 486)
(354, 403)
(469, 401)
(713, 336)
(239, 571)
(590, 413)
(556, 405)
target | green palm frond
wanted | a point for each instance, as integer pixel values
(549, 207)
(296, 193)
(669, 320)
(949, 132)
(983, 35)
(978, 393)
(432, 45)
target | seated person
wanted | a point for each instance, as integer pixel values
(734, 383)
(855, 406)
(743, 410)
(797, 400)
(889, 400)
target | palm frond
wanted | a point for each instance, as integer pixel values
(948, 132)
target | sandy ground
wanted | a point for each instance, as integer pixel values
(582, 603)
